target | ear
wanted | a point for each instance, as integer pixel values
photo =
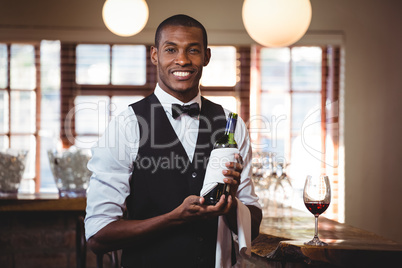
(154, 55)
(207, 56)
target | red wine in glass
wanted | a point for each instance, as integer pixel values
(316, 197)
(316, 208)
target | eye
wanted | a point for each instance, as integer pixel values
(170, 50)
(194, 51)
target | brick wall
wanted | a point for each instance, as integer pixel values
(40, 239)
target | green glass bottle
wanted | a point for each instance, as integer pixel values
(226, 141)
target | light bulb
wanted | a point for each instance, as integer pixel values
(125, 17)
(276, 23)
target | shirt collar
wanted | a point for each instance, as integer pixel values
(167, 100)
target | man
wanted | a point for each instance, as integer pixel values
(152, 165)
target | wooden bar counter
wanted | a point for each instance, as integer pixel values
(281, 244)
(41, 202)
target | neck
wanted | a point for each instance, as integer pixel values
(183, 96)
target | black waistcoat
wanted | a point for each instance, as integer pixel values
(162, 178)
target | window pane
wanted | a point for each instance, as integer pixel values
(306, 68)
(50, 66)
(275, 69)
(306, 136)
(50, 110)
(274, 123)
(23, 71)
(222, 68)
(3, 111)
(93, 64)
(303, 163)
(50, 88)
(91, 114)
(306, 113)
(47, 183)
(23, 112)
(3, 142)
(49, 138)
(120, 103)
(128, 65)
(227, 102)
(3, 66)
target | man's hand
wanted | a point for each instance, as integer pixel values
(193, 208)
(233, 174)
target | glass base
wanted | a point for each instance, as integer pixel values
(316, 242)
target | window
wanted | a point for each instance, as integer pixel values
(29, 110)
(222, 72)
(106, 79)
(222, 68)
(105, 64)
(19, 92)
(296, 113)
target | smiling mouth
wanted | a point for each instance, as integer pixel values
(181, 74)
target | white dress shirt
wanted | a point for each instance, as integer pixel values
(113, 156)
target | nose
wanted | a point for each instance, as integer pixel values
(182, 58)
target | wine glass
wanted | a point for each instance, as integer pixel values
(317, 196)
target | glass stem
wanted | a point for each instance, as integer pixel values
(316, 227)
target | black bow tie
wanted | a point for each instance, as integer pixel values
(192, 110)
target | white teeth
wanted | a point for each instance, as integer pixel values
(182, 74)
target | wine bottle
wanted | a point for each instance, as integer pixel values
(225, 141)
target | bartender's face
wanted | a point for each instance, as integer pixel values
(180, 59)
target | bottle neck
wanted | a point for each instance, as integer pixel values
(230, 129)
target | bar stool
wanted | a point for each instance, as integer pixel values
(81, 249)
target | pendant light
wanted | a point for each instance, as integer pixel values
(276, 23)
(125, 17)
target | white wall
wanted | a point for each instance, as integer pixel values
(372, 37)
(373, 93)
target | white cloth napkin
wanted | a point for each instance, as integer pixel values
(216, 164)
(213, 176)
(224, 239)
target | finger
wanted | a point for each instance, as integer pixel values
(221, 203)
(231, 181)
(234, 165)
(232, 173)
(229, 203)
(239, 159)
(201, 200)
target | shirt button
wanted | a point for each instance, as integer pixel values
(194, 175)
(200, 238)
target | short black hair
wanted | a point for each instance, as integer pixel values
(181, 20)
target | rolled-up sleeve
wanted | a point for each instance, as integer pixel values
(111, 166)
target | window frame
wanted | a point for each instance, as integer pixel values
(37, 93)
